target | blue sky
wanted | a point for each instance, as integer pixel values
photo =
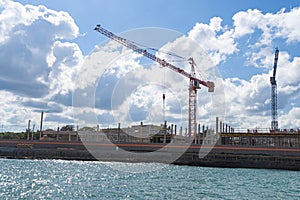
(239, 36)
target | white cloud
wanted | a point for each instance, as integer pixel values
(38, 61)
(290, 119)
(29, 35)
(278, 25)
(65, 67)
(39, 64)
(218, 41)
(136, 95)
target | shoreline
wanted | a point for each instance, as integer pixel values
(219, 156)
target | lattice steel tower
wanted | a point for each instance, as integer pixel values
(274, 122)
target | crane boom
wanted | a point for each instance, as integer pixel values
(273, 79)
(144, 52)
(194, 82)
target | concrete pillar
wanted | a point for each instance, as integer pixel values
(175, 129)
(165, 132)
(57, 133)
(119, 127)
(140, 133)
(41, 125)
(217, 125)
(28, 130)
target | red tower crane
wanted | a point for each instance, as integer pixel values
(194, 81)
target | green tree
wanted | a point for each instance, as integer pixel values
(67, 128)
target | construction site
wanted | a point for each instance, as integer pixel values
(230, 147)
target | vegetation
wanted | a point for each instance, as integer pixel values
(13, 136)
(67, 128)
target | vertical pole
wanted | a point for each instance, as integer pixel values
(221, 127)
(175, 129)
(164, 108)
(119, 127)
(28, 130)
(57, 133)
(165, 131)
(32, 132)
(141, 132)
(97, 133)
(217, 125)
(41, 125)
(199, 135)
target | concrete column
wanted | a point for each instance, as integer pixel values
(57, 133)
(119, 127)
(41, 125)
(140, 133)
(28, 130)
(217, 125)
(165, 132)
(175, 129)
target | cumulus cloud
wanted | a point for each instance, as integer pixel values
(264, 32)
(215, 39)
(131, 88)
(254, 35)
(38, 60)
(278, 25)
(29, 35)
(39, 63)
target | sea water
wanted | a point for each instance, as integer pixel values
(57, 179)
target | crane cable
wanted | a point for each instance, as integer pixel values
(183, 59)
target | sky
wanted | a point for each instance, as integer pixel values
(52, 61)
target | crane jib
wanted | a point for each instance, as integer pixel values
(144, 52)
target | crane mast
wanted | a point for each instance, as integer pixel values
(194, 81)
(274, 122)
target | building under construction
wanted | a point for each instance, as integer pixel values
(219, 146)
